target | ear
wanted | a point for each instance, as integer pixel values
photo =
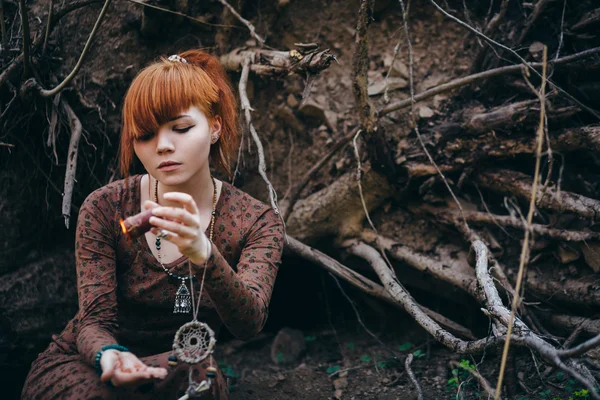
(217, 124)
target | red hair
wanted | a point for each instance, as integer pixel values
(166, 88)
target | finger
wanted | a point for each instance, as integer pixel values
(185, 200)
(174, 229)
(159, 373)
(178, 214)
(148, 204)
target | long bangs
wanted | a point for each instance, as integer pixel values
(162, 91)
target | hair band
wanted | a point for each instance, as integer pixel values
(176, 58)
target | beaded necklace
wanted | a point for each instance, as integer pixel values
(183, 297)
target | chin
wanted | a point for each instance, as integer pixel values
(173, 179)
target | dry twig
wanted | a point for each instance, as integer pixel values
(67, 80)
(244, 21)
(456, 83)
(71, 170)
(261, 153)
(412, 376)
(514, 53)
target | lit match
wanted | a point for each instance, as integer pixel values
(136, 225)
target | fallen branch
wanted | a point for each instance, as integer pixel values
(459, 82)
(518, 184)
(277, 63)
(451, 217)
(397, 291)
(580, 349)
(71, 170)
(568, 322)
(412, 376)
(364, 284)
(262, 170)
(523, 335)
(244, 21)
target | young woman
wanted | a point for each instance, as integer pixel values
(179, 119)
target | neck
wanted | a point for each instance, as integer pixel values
(200, 187)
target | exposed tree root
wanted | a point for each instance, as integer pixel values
(519, 184)
(451, 217)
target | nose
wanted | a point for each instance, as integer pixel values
(164, 144)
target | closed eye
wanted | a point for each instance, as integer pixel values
(183, 130)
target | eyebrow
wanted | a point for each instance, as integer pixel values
(178, 117)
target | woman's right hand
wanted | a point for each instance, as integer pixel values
(125, 369)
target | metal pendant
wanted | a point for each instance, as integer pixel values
(183, 304)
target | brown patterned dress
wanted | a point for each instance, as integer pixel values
(125, 296)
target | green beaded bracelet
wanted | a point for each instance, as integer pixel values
(104, 348)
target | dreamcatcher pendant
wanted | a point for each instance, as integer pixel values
(183, 304)
(194, 342)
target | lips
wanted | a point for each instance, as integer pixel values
(167, 164)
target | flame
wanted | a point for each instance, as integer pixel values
(123, 228)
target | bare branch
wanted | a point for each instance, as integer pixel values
(71, 170)
(451, 217)
(517, 183)
(260, 40)
(456, 83)
(365, 284)
(525, 249)
(514, 53)
(412, 376)
(261, 153)
(581, 349)
(269, 63)
(67, 80)
(399, 293)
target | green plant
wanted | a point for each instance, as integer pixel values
(350, 346)
(582, 394)
(418, 354)
(310, 338)
(365, 358)
(405, 346)
(333, 368)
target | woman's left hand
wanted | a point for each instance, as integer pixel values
(181, 225)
